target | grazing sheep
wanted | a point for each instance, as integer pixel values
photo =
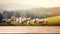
(3, 20)
(28, 22)
(23, 20)
(41, 21)
(36, 20)
(20, 20)
(6, 20)
(13, 18)
(17, 20)
(28, 19)
(33, 20)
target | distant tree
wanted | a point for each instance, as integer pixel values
(17, 14)
(1, 17)
(6, 14)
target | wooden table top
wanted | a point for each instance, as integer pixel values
(29, 29)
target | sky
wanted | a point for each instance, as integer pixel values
(26, 4)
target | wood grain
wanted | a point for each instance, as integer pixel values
(29, 29)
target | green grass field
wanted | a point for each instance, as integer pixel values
(52, 21)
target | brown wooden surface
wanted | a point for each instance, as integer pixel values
(29, 33)
(29, 29)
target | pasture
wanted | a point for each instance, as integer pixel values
(50, 21)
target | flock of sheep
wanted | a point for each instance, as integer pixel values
(24, 20)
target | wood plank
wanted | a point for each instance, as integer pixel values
(29, 33)
(29, 29)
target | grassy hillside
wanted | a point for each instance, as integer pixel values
(53, 20)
